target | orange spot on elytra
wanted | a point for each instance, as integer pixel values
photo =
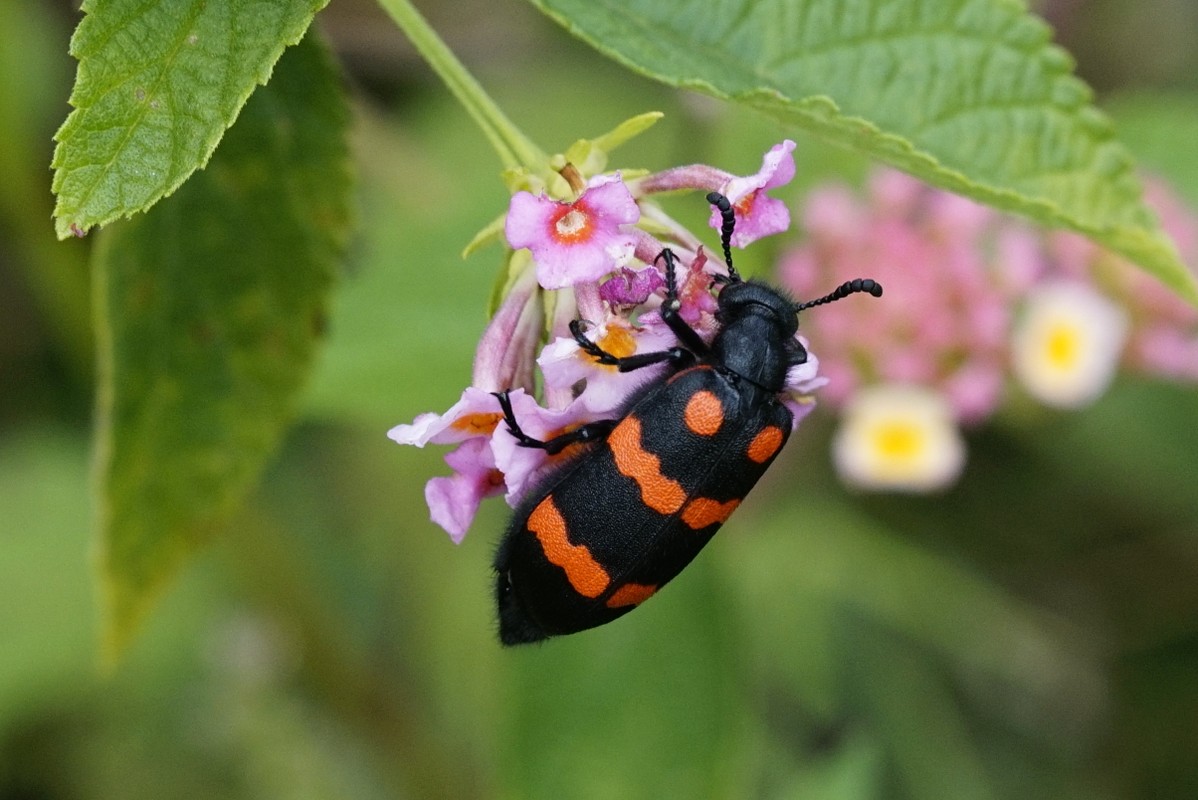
(631, 594)
(765, 444)
(586, 575)
(702, 511)
(477, 424)
(704, 413)
(663, 495)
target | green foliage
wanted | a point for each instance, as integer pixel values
(968, 95)
(210, 308)
(999, 640)
(158, 85)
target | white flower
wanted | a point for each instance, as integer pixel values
(1067, 344)
(898, 437)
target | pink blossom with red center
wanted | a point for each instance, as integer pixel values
(575, 242)
(757, 214)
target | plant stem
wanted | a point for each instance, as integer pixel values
(513, 147)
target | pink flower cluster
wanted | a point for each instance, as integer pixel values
(948, 305)
(969, 290)
(601, 267)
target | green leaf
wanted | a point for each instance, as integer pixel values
(158, 84)
(210, 308)
(969, 95)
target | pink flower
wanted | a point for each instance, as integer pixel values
(757, 214)
(477, 413)
(801, 381)
(576, 245)
(453, 501)
(575, 242)
(506, 353)
(1162, 328)
(629, 287)
(522, 467)
(564, 363)
(697, 305)
(805, 378)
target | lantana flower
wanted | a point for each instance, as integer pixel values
(588, 259)
(454, 500)
(976, 301)
(947, 318)
(1068, 344)
(574, 242)
(523, 466)
(898, 437)
(757, 214)
(1162, 329)
(564, 363)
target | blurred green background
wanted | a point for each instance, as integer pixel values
(1031, 633)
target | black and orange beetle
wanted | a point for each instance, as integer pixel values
(613, 524)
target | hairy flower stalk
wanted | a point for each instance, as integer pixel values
(579, 252)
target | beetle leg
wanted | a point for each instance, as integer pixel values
(692, 345)
(678, 356)
(590, 432)
(669, 310)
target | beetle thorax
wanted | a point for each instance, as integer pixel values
(757, 326)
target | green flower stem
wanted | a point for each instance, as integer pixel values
(513, 147)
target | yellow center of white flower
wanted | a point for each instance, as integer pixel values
(899, 440)
(1063, 345)
(1067, 345)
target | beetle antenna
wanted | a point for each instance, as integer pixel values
(725, 208)
(845, 289)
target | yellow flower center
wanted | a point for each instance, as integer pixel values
(898, 440)
(1063, 346)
